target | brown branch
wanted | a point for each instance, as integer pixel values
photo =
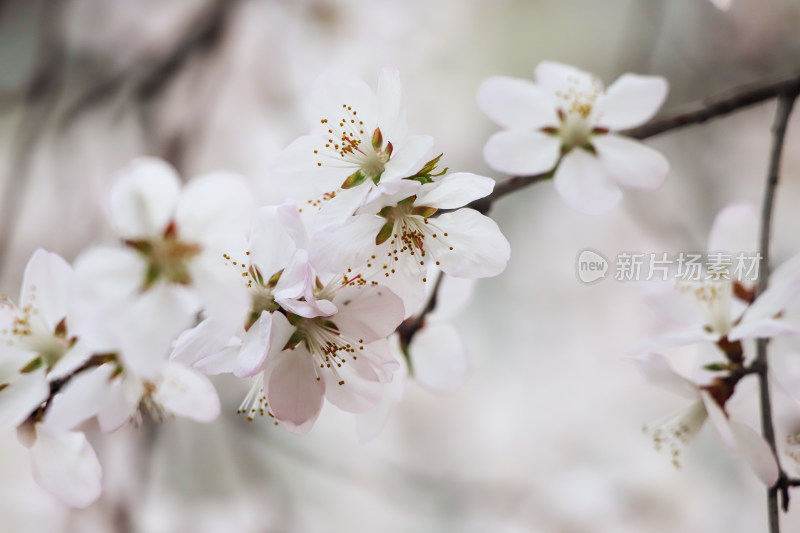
(786, 100)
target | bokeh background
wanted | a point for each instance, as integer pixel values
(545, 436)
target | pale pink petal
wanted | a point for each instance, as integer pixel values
(214, 207)
(186, 392)
(368, 312)
(295, 290)
(439, 358)
(682, 337)
(66, 466)
(520, 152)
(266, 337)
(408, 157)
(21, 397)
(583, 184)
(295, 395)
(350, 393)
(370, 424)
(454, 190)
(630, 101)
(46, 287)
(79, 399)
(292, 224)
(659, 372)
(517, 104)
(558, 78)
(756, 452)
(631, 163)
(381, 359)
(764, 328)
(391, 105)
(144, 197)
(735, 230)
(468, 244)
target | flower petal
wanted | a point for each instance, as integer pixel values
(520, 152)
(659, 372)
(408, 157)
(368, 312)
(46, 287)
(66, 466)
(561, 79)
(346, 246)
(631, 163)
(764, 328)
(630, 101)
(583, 184)
(144, 197)
(774, 300)
(468, 244)
(186, 392)
(735, 229)
(719, 420)
(79, 399)
(295, 394)
(454, 190)
(354, 388)
(682, 337)
(516, 103)
(391, 105)
(756, 452)
(19, 398)
(264, 339)
(439, 358)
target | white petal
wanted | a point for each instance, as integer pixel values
(186, 392)
(46, 286)
(67, 467)
(295, 395)
(454, 294)
(335, 89)
(407, 158)
(659, 372)
(224, 296)
(517, 104)
(381, 359)
(368, 312)
(370, 424)
(735, 229)
(391, 105)
(682, 337)
(144, 197)
(722, 5)
(121, 402)
(205, 340)
(213, 207)
(270, 245)
(454, 190)
(764, 328)
(787, 272)
(19, 398)
(631, 163)
(468, 244)
(630, 101)
(106, 277)
(559, 78)
(519, 152)
(719, 420)
(78, 354)
(265, 338)
(756, 452)
(346, 246)
(292, 224)
(298, 174)
(583, 184)
(79, 399)
(295, 290)
(439, 358)
(774, 300)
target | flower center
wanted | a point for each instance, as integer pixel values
(167, 257)
(575, 131)
(323, 340)
(674, 433)
(714, 298)
(29, 332)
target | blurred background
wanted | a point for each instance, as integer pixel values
(545, 436)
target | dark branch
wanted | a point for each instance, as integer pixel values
(786, 100)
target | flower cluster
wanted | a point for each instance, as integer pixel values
(300, 298)
(724, 312)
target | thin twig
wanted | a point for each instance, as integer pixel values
(785, 103)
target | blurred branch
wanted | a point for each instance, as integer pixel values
(786, 99)
(697, 113)
(412, 325)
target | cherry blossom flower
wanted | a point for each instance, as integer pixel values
(36, 342)
(567, 121)
(675, 433)
(358, 149)
(171, 264)
(395, 240)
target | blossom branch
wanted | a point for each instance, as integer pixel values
(697, 113)
(786, 98)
